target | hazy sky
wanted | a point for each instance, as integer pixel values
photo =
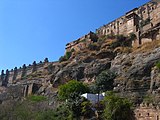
(31, 30)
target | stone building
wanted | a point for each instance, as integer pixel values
(144, 22)
(147, 112)
(82, 42)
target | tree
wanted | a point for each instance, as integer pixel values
(73, 86)
(104, 81)
(117, 108)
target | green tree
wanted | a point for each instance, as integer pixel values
(104, 81)
(117, 108)
(73, 86)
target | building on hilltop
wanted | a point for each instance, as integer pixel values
(144, 22)
(82, 42)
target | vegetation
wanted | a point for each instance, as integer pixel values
(93, 46)
(66, 56)
(117, 108)
(73, 86)
(121, 41)
(104, 82)
(158, 64)
(36, 98)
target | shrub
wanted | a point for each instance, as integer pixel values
(132, 36)
(93, 46)
(73, 86)
(68, 55)
(62, 58)
(111, 36)
(117, 108)
(158, 64)
(36, 98)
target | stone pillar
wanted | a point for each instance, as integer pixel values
(5, 80)
(30, 87)
(34, 67)
(25, 91)
(46, 60)
(23, 71)
(2, 77)
(15, 74)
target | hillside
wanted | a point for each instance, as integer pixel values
(127, 50)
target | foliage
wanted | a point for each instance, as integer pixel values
(36, 98)
(86, 109)
(93, 46)
(79, 106)
(46, 115)
(117, 108)
(62, 58)
(111, 36)
(121, 41)
(148, 99)
(158, 64)
(66, 56)
(104, 81)
(73, 86)
(132, 36)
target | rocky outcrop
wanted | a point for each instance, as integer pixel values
(134, 70)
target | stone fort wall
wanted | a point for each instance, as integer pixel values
(10, 77)
(144, 22)
(147, 112)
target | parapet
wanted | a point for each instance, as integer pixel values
(9, 77)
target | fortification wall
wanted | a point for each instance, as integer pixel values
(147, 112)
(10, 77)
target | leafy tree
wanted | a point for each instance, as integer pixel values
(117, 108)
(73, 86)
(79, 106)
(104, 81)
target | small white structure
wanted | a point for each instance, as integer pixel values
(93, 97)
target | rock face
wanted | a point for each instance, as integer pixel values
(135, 69)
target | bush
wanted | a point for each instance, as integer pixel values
(36, 98)
(104, 81)
(121, 41)
(62, 58)
(158, 64)
(132, 36)
(117, 108)
(93, 46)
(111, 36)
(73, 86)
(68, 55)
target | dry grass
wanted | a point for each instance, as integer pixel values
(147, 47)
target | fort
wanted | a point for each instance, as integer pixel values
(147, 112)
(10, 77)
(143, 21)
